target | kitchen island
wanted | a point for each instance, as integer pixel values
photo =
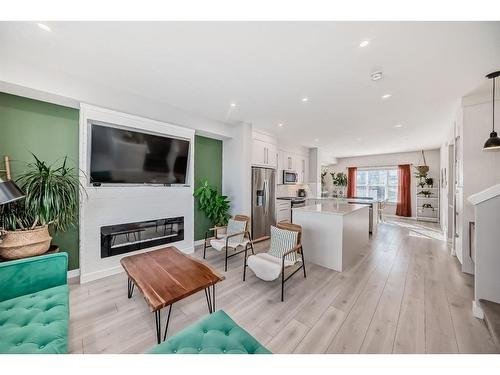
(371, 202)
(334, 234)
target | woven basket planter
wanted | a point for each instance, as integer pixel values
(25, 243)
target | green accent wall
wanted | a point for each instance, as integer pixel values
(207, 165)
(47, 130)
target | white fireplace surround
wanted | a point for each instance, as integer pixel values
(108, 205)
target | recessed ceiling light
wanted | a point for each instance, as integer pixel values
(316, 139)
(375, 76)
(364, 43)
(280, 125)
(305, 99)
(43, 27)
(233, 105)
(386, 96)
(398, 125)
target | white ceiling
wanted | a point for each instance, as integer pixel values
(267, 68)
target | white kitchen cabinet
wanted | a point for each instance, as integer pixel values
(303, 169)
(264, 154)
(272, 155)
(283, 211)
(291, 162)
(258, 152)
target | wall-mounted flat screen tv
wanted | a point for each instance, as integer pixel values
(120, 156)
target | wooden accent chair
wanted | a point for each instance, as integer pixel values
(237, 235)
(285, 251)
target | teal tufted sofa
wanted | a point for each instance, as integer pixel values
(216, 334)
(34, 308)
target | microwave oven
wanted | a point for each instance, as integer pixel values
(290, 177)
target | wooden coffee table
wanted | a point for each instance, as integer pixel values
(166, 276)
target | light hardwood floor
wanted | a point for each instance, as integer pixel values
(406, 294)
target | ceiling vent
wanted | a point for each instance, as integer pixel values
(375, 76)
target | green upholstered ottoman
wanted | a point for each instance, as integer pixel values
(216, 334)
(34, 310)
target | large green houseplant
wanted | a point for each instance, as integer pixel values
(51, 202)
(214, 205)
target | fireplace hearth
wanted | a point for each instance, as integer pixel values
(124, 238)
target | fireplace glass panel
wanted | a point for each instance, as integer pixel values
(123, 238)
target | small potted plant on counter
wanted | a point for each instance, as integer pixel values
(339, 181)
(50, 204)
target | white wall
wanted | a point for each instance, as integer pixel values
(481, 169)
(108, 205)
(448, 185)
(237, 169)
(432, 157)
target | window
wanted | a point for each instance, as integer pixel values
(378, 183)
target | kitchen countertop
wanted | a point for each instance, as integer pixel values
(332, 208)
(360, 200)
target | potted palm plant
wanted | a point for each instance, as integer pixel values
(50, 205)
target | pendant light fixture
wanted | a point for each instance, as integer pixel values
(493, 142)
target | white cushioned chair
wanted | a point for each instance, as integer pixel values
(237, 236)
(285, 252)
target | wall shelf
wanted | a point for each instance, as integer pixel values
(428, 213)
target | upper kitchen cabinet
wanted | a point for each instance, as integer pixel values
(264, 150)
(294, 162)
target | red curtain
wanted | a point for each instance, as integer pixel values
(351, 182)
(404, 191)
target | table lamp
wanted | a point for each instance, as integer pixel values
(9, 191)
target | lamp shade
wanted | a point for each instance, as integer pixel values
(9, 192)
(493, 142)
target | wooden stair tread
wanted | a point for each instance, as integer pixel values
(492, 319)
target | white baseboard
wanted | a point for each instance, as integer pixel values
(88, 277)
(394, 216)
(73, 273)
(199, 242)
(477, 311)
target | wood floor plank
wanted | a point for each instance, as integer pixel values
(315, 308)
(437, 311)
(410, 332)
(438, 343)
(322, 333)
(288, 338)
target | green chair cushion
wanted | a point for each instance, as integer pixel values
(35, 323)
(216, 334)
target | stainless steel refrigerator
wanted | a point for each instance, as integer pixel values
(263, 200)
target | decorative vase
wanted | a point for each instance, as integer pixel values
(25, 243)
